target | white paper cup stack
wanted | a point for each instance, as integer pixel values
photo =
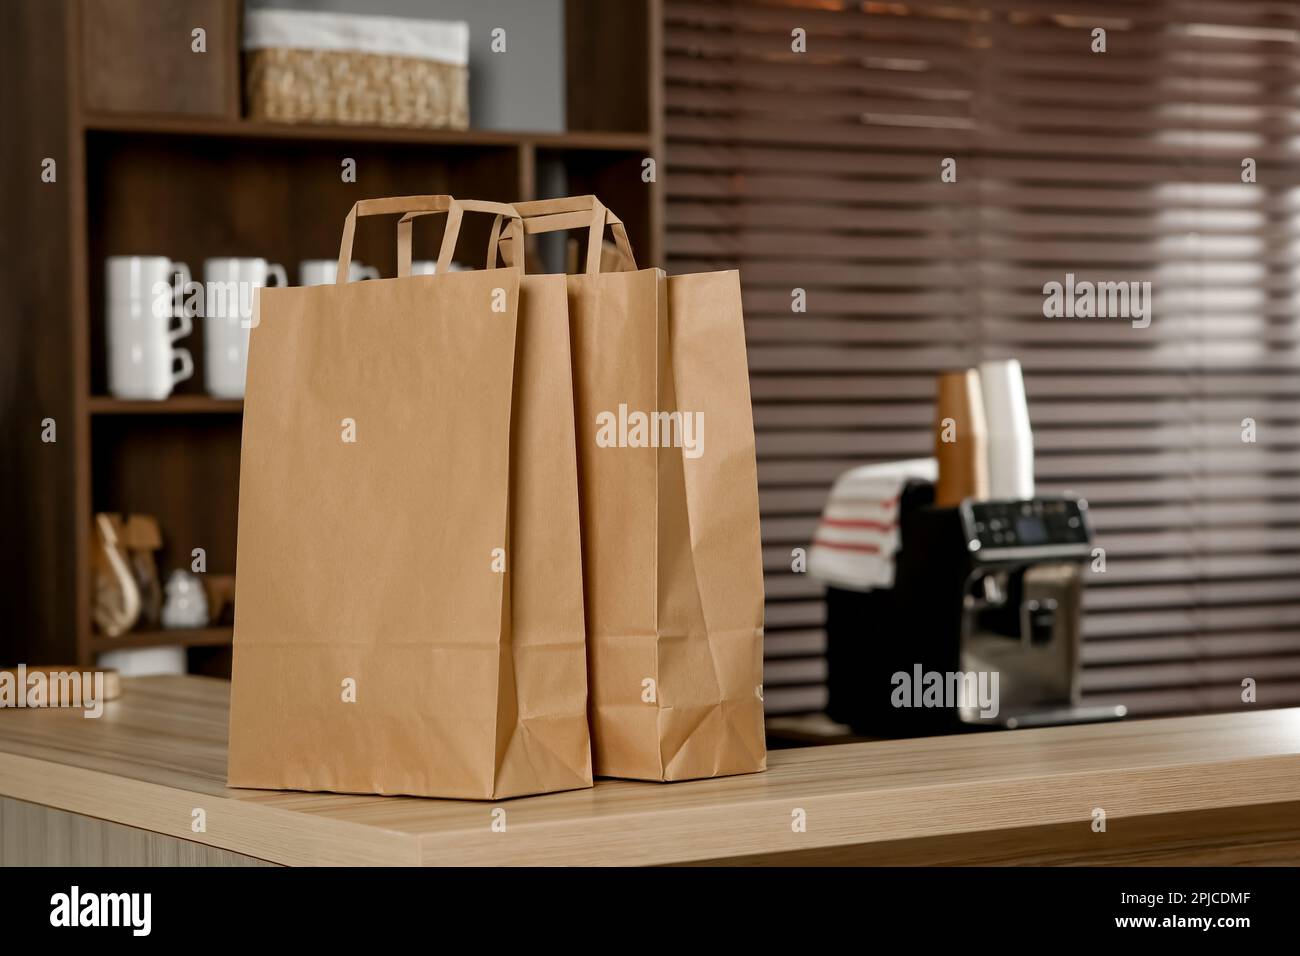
(1010, 440)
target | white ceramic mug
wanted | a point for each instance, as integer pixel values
(144, 295)
(324, 271)
(228, 310)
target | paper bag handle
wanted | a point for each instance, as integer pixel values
(571, 212)
(389, 206)
(451, 233)
(455, 212)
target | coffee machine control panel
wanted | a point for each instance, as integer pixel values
(1034, 528)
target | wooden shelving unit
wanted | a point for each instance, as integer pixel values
(156, 158)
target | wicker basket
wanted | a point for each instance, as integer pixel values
(337, 68)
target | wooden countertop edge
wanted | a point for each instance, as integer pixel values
(751, 828)
(725, 829)
(242, 826)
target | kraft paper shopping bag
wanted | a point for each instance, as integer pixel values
(384, 642)
(669, 505)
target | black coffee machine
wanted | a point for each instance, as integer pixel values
(981, 627)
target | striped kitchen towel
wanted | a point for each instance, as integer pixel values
(857, 536)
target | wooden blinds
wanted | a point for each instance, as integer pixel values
(821, 171)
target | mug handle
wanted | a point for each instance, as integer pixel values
(276, 271)
(187, 365)
(178, 305)
(185, 327)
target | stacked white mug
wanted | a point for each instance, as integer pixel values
(229, 284)
(141, 304)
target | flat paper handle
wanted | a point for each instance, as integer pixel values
(572, 212)
(390, 206)
(456, 213)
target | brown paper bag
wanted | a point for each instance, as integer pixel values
(381, 645)
(671, 552)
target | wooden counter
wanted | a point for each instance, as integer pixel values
(1217, 789)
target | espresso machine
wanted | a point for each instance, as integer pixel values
(980, 629)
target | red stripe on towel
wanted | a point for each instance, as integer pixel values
(885, 503)
(842, 546)
(860, 523)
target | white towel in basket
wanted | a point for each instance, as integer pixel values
(444, 41)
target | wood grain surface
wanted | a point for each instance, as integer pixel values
(32, 835)
(159, 753)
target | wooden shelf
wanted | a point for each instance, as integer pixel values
(252, 129)
(176, 405)
(186, 637)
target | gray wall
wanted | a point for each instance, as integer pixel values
(521, 89)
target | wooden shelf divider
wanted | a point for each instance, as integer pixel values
(175, 405)
(252, 129)
(178, 637)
